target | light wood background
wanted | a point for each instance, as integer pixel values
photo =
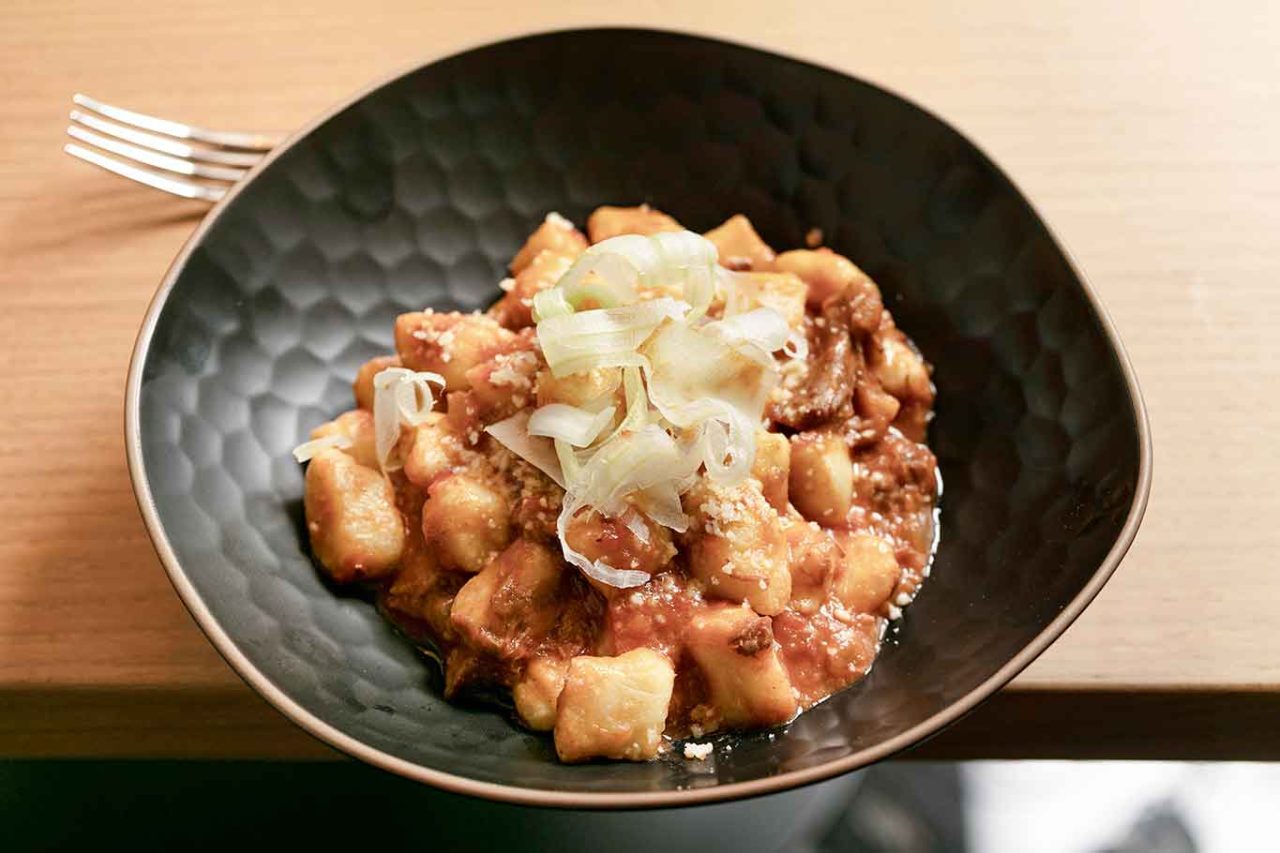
(1147, 133)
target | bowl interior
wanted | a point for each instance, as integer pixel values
(417, 195)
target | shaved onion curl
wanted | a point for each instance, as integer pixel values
(400, 397)
(576, 426)
(309, 449)
(700, 382)
(694, 390)
(602, 337)
(609, 273)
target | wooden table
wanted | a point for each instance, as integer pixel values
(1147, 133)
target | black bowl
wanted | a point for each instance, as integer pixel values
(418, 192)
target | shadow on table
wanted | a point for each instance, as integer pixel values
(1090, 807)
(206, 805)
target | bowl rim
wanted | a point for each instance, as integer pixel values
(344, 742)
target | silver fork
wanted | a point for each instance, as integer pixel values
(217, 158)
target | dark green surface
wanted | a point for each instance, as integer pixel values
(220, 805)
(241, 805)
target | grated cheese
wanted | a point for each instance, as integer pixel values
(515, 370)
(554, 218)
(697, 751)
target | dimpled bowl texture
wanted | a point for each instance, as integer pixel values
(419, 192)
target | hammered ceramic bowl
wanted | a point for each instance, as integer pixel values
(417, 192)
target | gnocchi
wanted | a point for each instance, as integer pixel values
(781, 291)
(608, 222)
(466, 520)
(362, 387)
(432, 449)
(614, 707)
(580, 389)
(537, 692)
(772, 468)
(356, 427)
(868, 573)
(555, 236)
(821, 477)
(736, 653)
(356, 531)
(825, 273)
(734, 593)
(736, 546)
(515, 309)
(610, 540)
(740, 247)
(449, 344)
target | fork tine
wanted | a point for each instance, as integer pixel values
(163, 144)
(153, 158)
(177, 186)
(223, 139)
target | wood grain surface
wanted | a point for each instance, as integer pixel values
(1147, 133)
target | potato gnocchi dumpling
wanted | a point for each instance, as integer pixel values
(825, 273)
(431, 450)
(772, 468)
(606, 222)
(362, 387)
(466, 521)
(543, 270)
(867, 574)
(356, 427)
(739, 246)
(771, 528)
(784, 292)
(537, 692)
(614, 707)
(736, 653)
(449, 344)
(580, 389)
(735, 545)
(610, 540)
(356, 531)
(555, 236)
(821, 477)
